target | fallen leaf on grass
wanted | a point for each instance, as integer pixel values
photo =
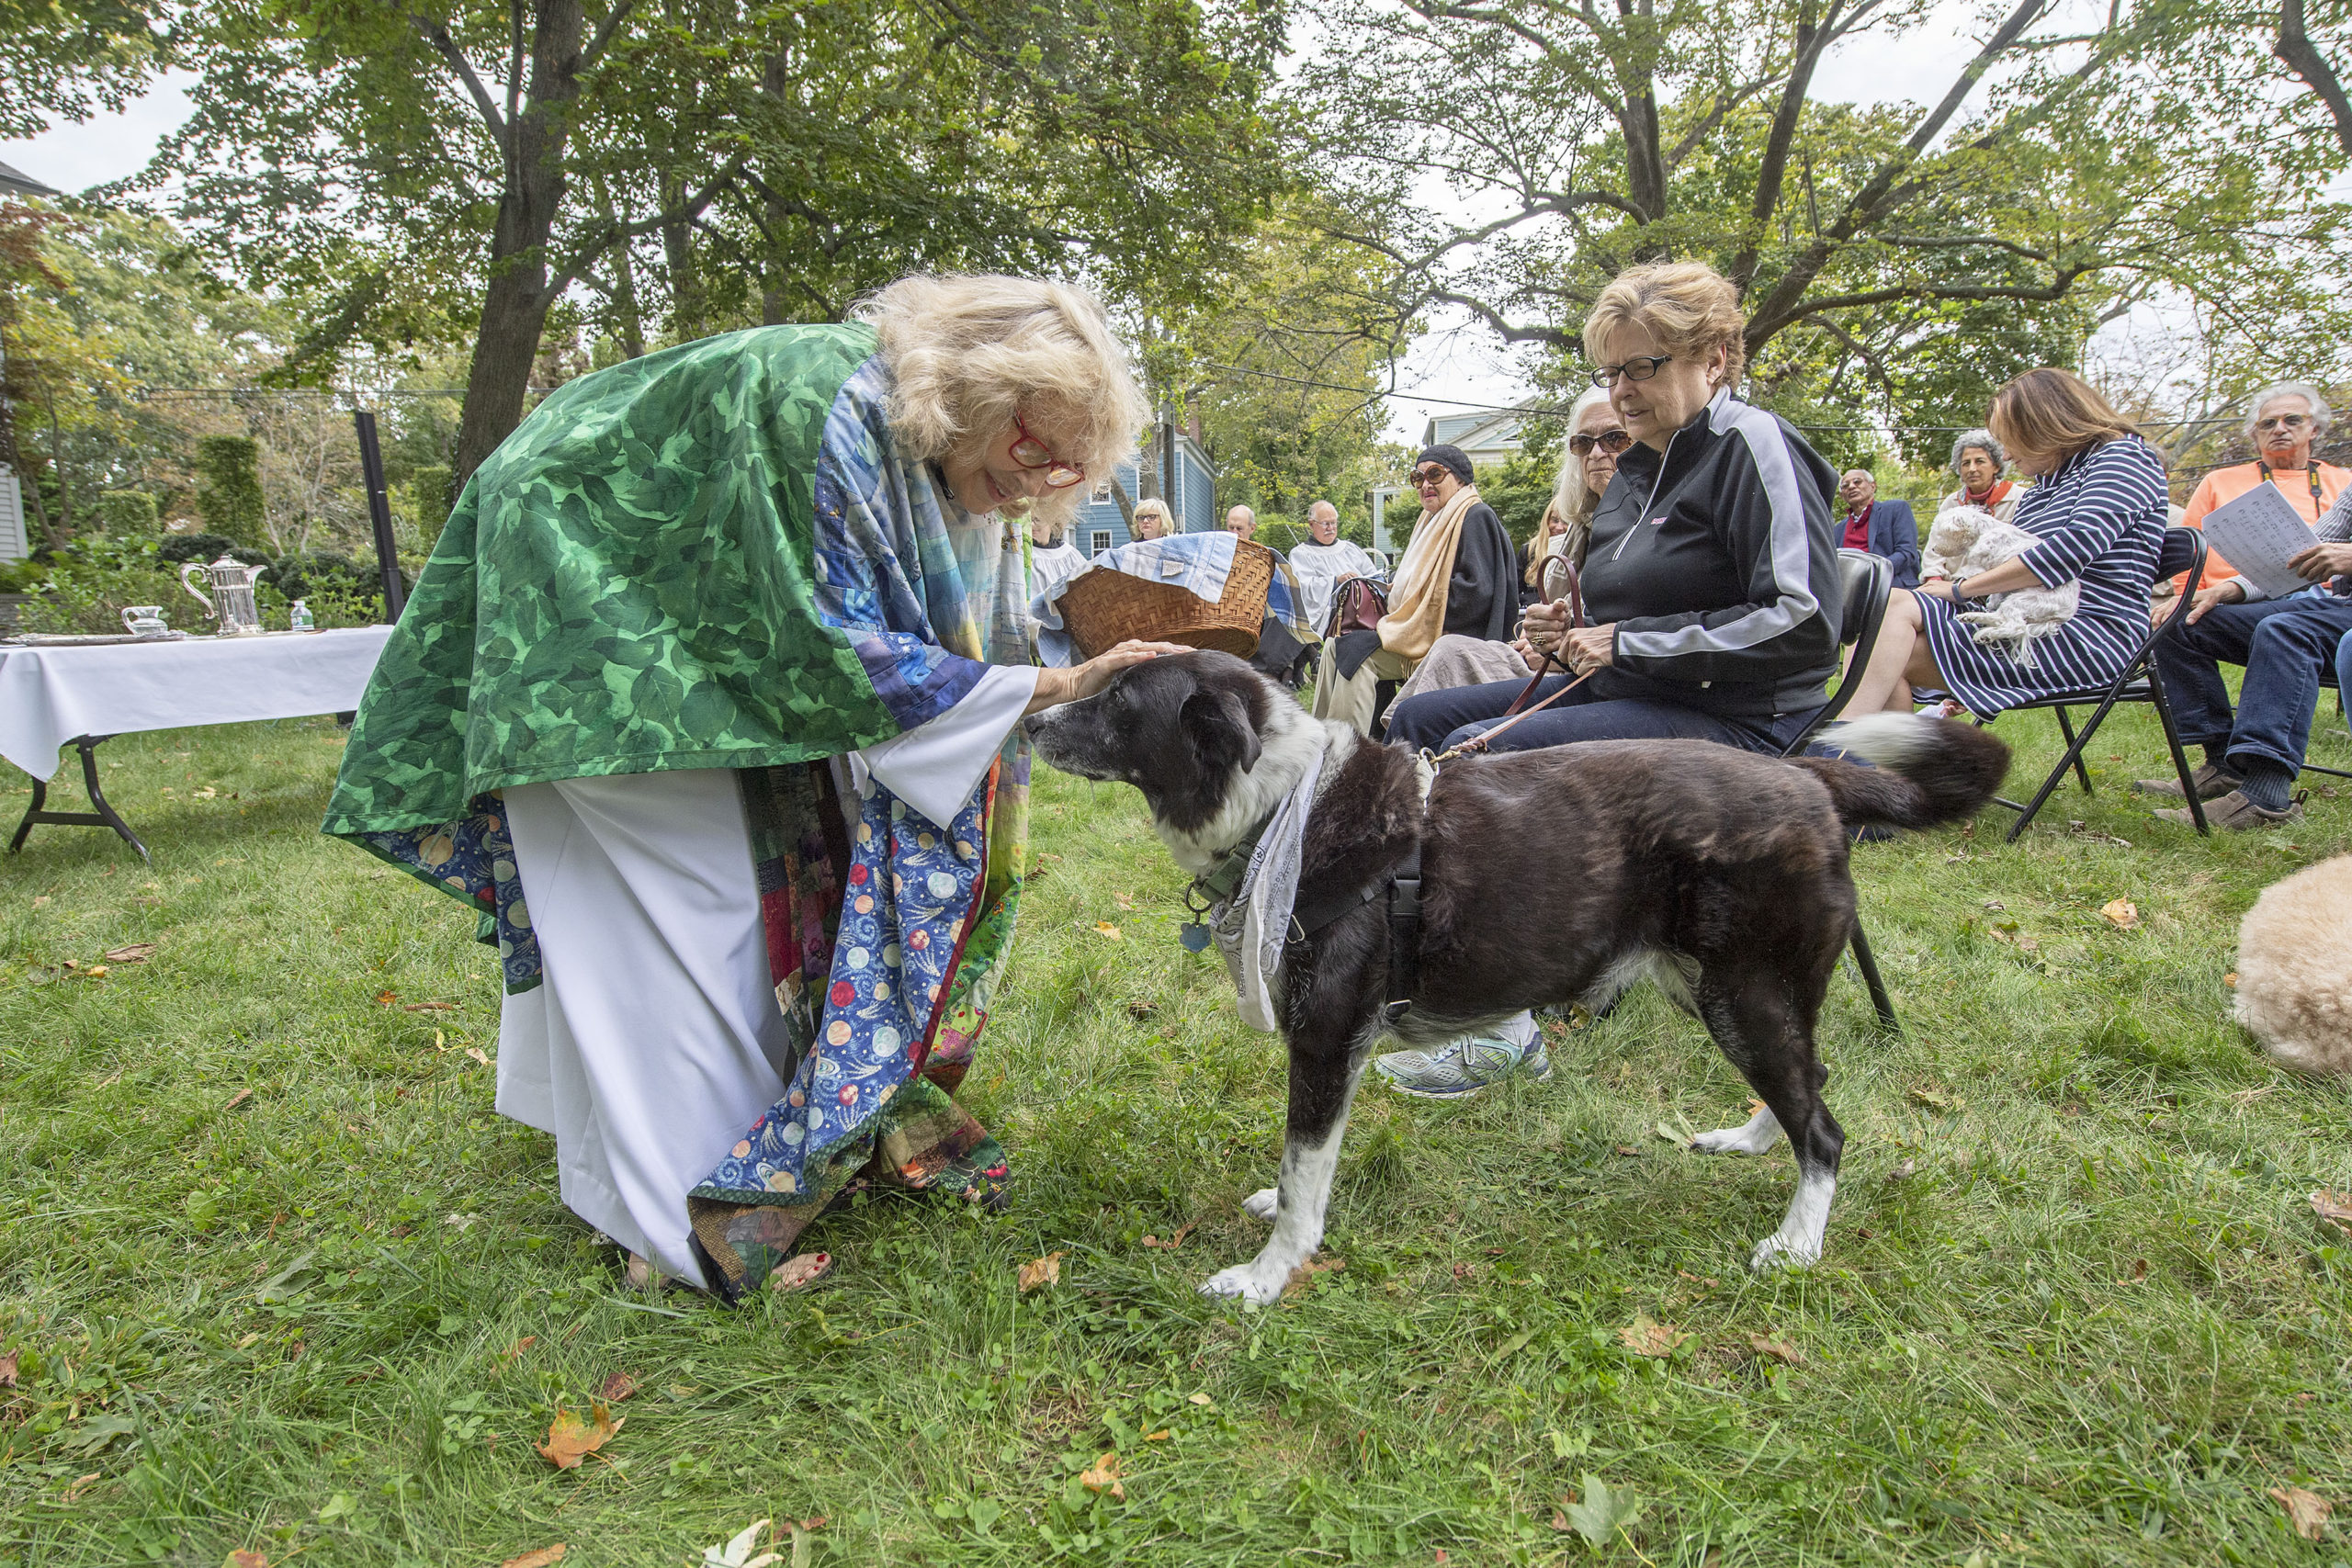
(1140, 1011)
(94, 972)
(1904, 1172)
(1160, 1436)
(1935, 1100)
(1200, 1399)
(1601, 1512)
(617, 1387)
(1669, 1135)
(1173, 1241)
(737, 1553)
(1124, 900)
(462, 1222)
(1780, 1350)
(207, 793)
(572, 1439)
(1104, 1476)
(1646, 1337)
(238, 1098)
(8, 1368)
(1304, 1275)
(2230, 979)
(1105, 928)
(2307, 1511)
(1629, 1151)
(539, 1559)
(1045, 1271)
(247, 1560)
(2139, 1269)
(81, 1484)
(137, 952)
(475, 1053)
(386, 998)
(2120, 913)
(428, 1007)
(513, 1353)
(1994, 907)
(795, 1272)
(2336, 1208)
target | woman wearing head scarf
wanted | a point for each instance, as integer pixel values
(1457, 576)
(708, 703)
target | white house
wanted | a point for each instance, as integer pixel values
(1488, 437)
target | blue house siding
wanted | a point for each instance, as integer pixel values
(1099, 527)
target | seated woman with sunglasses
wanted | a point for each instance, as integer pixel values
(737, 630)
(1711, 573)
(1457, 578)
(1595, 443)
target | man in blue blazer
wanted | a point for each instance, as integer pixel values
(1882, 527)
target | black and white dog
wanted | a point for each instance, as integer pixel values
(1718, 873)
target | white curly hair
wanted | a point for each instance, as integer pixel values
(970, 351)
(2313, 399)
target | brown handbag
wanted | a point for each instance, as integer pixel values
(1358, 606)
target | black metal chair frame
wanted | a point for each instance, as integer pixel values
(2326, 684)
(1869, 583)
(2138, 682)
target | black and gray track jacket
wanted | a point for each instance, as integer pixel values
(1718, 563)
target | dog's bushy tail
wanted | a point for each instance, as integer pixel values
(1930, 771)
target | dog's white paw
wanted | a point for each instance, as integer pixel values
(1247, 1280)
(1777, 1252)
(1261, 1204)
(1754, 1137)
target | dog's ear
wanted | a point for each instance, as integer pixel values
(1217, 724)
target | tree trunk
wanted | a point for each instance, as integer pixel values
(2299, 55)
(515, 306)
(1127, 507)
(687, 304)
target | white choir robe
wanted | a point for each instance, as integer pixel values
(653, 1041)
(1320, 569)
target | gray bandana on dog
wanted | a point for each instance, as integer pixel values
(1251, 928)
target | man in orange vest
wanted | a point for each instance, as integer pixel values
(2283, 422)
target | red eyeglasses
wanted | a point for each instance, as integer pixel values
(1033, 453)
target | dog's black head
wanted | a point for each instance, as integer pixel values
(1183, 728)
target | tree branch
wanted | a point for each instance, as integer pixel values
(2300, 55)
(605, 32)
(435, 34)
(608, 234)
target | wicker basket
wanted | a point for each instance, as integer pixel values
(1101, 608)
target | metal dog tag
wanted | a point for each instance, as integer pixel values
(1194, 936)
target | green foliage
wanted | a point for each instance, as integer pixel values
(127, 511)
(228, 487)
(429, 493)
(294, 1298)
(65, 59)
(1519, 489)
(1896, 261)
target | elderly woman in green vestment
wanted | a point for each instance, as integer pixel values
(708, 703)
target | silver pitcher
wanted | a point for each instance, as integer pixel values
(232, 585)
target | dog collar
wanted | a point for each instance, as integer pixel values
(1222, 881)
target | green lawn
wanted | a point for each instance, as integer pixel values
(276, 1277)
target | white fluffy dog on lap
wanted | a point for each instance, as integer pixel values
(1968, 540)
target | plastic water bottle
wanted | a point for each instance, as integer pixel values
(302, 616)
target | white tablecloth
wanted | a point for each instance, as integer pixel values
(49, 695)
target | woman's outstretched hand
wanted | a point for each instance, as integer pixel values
(1056, 686)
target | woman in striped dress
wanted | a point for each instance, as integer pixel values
(2096, 505)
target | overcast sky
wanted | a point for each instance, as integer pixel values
(1456, 361)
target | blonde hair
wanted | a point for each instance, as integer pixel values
(2054, 414)
(1688, 306)
(1572, 499)
(971, 351)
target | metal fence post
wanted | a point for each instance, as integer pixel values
(380, 513)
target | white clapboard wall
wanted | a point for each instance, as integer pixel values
(13, 544)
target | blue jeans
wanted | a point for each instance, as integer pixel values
(1439, 721)
(2283, 644)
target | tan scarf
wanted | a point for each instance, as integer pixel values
(1416, 615)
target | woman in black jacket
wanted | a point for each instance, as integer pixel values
(1711, 578)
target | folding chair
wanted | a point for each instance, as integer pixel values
(1869, 583)
(2326, 684)
(2184, 550)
